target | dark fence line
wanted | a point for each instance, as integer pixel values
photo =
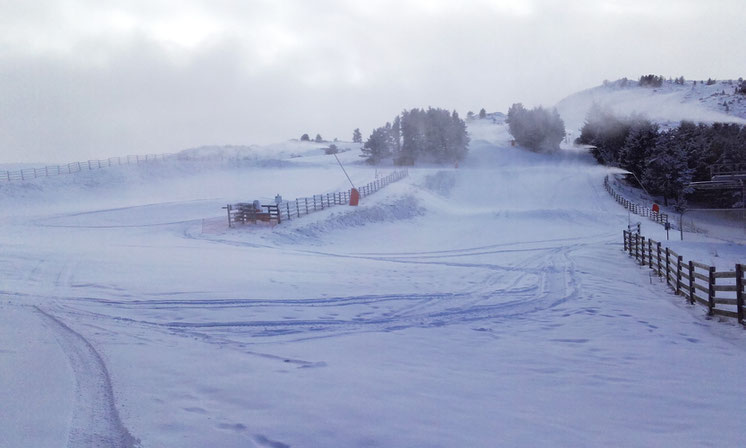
(722, 292)
(245, 212)
(660, 218)
(76, 167)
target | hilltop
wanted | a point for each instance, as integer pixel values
(667, 105)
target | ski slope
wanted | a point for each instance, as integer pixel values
(667, 105)
(489, 305)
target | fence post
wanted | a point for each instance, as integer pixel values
(228, 208)
(679, 259)
(297, 207)
(288, 207)
(739, 292)
(650, 252)
(642, 259)
(711, 292)
(659, 259)
(624, 236)
(691, 282)
(306, 199)
(668, 267)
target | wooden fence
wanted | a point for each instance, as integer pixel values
(287, 210)
(660, 218)
(722, 292)
(76, 167)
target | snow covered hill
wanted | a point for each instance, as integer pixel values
(668, 104)
(489, 305)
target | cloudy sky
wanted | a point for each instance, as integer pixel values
(86, 79)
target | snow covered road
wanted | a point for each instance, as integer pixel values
(486, 306)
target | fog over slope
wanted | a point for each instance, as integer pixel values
(668, 104)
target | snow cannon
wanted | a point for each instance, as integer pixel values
(354, 197)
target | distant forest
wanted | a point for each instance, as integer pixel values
(666, 161)
(432, 135)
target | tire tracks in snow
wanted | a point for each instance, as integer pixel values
(95, 419)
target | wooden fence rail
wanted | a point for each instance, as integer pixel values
(722, 292)
(660, 218)
(287, 210)
(76, 167)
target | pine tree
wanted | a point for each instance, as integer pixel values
(305, 138)
(318, 138)
(667, 171)
(537, 129)
(482, 114)
(640, 142)
(377, 148)
(396, 134)
(357, 136)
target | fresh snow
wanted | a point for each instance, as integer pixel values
(489, 305)
(668, 105)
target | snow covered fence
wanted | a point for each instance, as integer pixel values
(721, 292)
(76, 167)
(660, 218)
(287, 210)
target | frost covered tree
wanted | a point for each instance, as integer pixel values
(651, 81)
(378, 146)
(357, 136)
(396, 135)
(305, 138)
(432, 135)
(640, 142)
(482, 113)
(537, 129)
(667, 171)
(605, 132)
(318, 138)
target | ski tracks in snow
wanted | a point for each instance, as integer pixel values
(95, 419)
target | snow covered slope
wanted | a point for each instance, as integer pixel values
(668, 104)
(489, 305)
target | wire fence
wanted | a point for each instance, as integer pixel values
(26, 174)
(245, 212)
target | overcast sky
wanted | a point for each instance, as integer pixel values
(86, 79)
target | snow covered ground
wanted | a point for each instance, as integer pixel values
(489, 305)
(668, 105)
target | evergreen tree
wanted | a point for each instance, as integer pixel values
(377, 148)
(357, 136)
(667, 171)
(318, 138)
(305, 138)
(482, 114)
(537, 129)
(396, 134)
(640, 142)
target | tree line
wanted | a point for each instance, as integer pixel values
(429, 135)
(666, 161)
